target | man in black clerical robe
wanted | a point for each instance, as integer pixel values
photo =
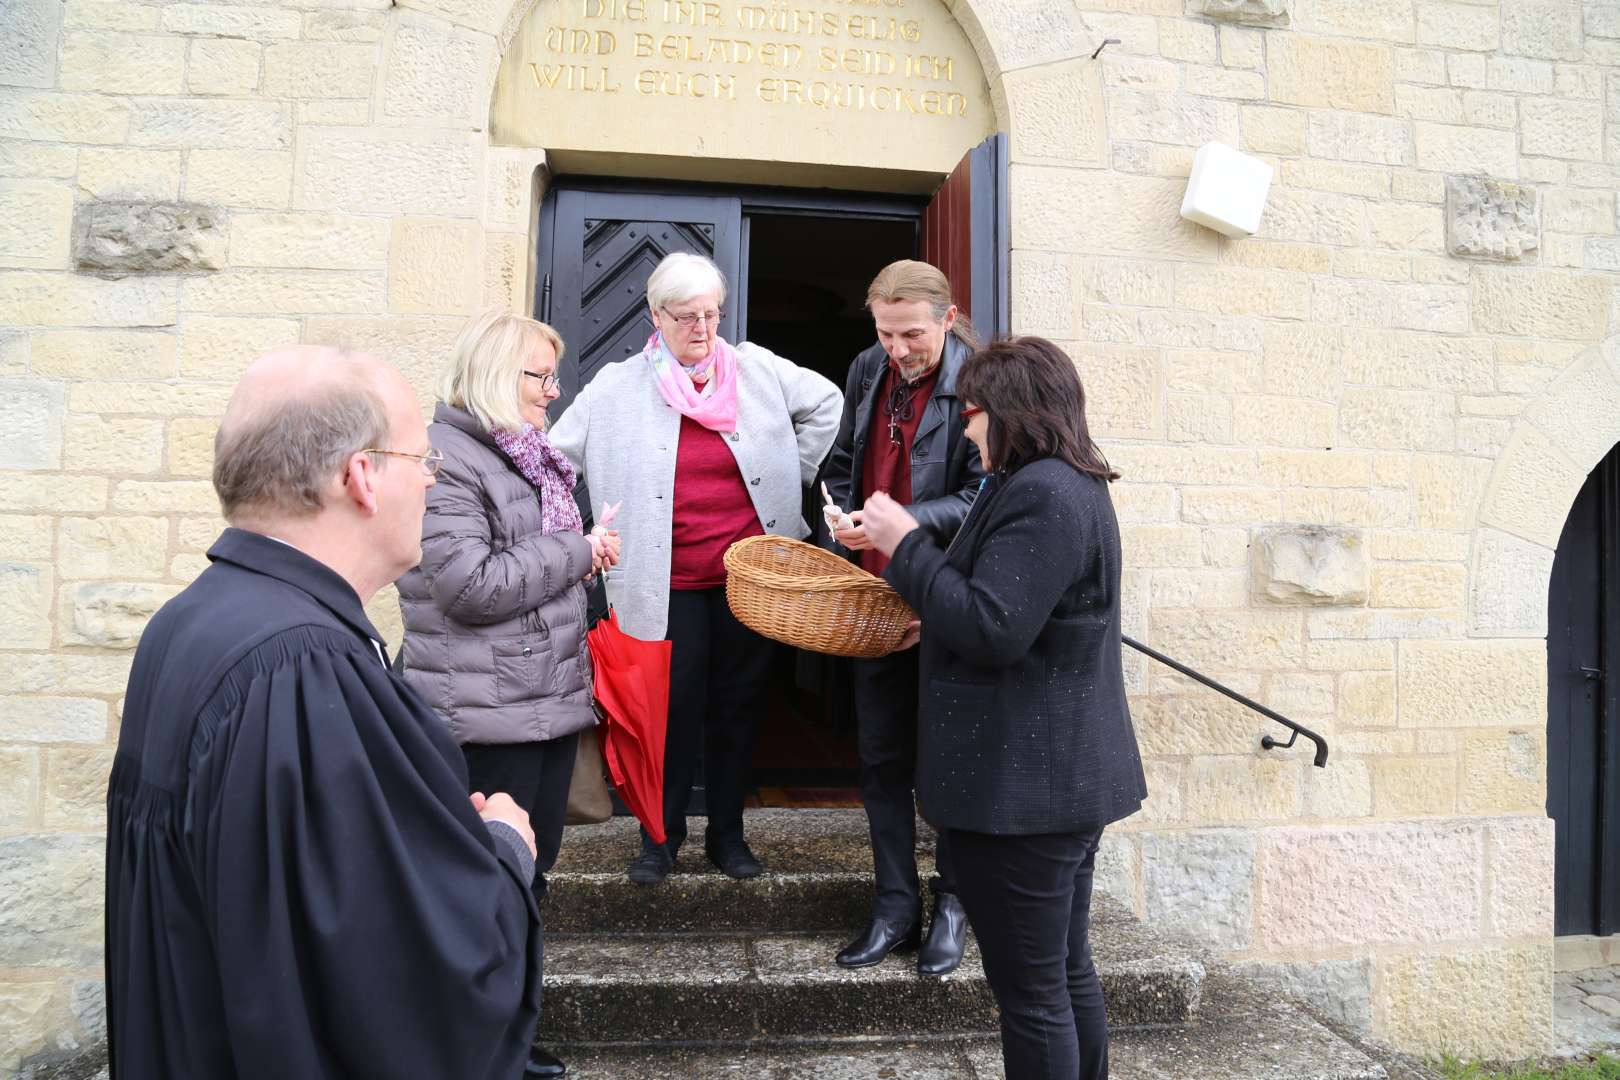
(298, 886)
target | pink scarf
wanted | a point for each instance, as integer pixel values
(544, 466)
(716, 410)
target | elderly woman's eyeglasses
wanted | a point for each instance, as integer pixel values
(689, 319)
(548, 380)
(429, 461)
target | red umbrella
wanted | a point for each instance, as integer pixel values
(632, 687)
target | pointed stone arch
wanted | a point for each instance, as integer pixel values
(1560, 437)
(1024, 48)
(440, 64)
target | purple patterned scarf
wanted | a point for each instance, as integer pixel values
(544, 466)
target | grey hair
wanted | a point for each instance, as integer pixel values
(681, 276)
(276, 460)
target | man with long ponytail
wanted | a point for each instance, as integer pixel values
(901, 434)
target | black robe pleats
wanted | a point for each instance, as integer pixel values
(297, 884)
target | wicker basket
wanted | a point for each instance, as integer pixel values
(799, 594)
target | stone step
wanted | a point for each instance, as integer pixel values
(1243, 1035)
(729, 988)
(818, 878)
(707, 977)
(787, 840)
(694, 900)
(942, 1059)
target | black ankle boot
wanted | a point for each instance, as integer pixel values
(941, 954)
(880, 938)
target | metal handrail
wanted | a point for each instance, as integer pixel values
(1267, 741)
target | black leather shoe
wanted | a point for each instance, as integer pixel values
(735, 860)
(880, 938)
(543, 1063)
(941, 954)
(651, 867)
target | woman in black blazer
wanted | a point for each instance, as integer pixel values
(1025, 744)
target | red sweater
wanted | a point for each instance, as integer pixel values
(711, 511)
(887, 467)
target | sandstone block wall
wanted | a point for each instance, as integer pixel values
(1349, 442)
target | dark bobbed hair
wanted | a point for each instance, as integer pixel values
(1032, 397)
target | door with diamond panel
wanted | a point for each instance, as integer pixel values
(603, 247)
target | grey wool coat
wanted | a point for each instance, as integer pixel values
(495, 612)
(622, 437)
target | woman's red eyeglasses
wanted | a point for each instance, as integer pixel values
(970, 411)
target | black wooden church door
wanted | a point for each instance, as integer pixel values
(598, 247)
(604, 245)
(1583, 708)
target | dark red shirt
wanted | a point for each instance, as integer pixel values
(887, 464)
(711, 511)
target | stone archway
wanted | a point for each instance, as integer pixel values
(1561, 435)
(450, 51)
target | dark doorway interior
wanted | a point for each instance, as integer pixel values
(1583, 704)
(806, 295)
(807, 279)
(799, 262)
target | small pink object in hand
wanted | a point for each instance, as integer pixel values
(603, 520)
(605, 543)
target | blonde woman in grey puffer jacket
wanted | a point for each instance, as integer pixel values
(495, 614)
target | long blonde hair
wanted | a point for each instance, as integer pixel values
(486, 366)
(909, 279)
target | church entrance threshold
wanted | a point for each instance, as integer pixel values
(798, 263)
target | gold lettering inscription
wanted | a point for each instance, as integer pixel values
(872, 28)
(869, 57)
(782, 19)
(717, 50)
(702, 84)
(859, 97)
(573, 77)
(560, 39)
(692, 13)
(632, 10)
(875, 62)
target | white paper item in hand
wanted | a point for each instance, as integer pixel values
(836, 518)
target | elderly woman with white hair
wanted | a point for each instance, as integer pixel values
(704, 444)
(495, 612)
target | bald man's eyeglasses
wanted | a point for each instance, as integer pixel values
(429, 461)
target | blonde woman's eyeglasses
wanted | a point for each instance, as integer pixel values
(548, 380)
(429, 461)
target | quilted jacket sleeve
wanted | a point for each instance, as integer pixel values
(472, 581)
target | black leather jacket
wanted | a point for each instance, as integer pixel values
(945, 470)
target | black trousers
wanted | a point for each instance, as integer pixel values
(886, 735)
(1028, 899)
(536, 775)
(718, 670)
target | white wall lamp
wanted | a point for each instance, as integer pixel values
(1227, 190)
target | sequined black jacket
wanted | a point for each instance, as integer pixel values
(1023, 724)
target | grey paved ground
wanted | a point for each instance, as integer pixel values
(1586, 1010)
